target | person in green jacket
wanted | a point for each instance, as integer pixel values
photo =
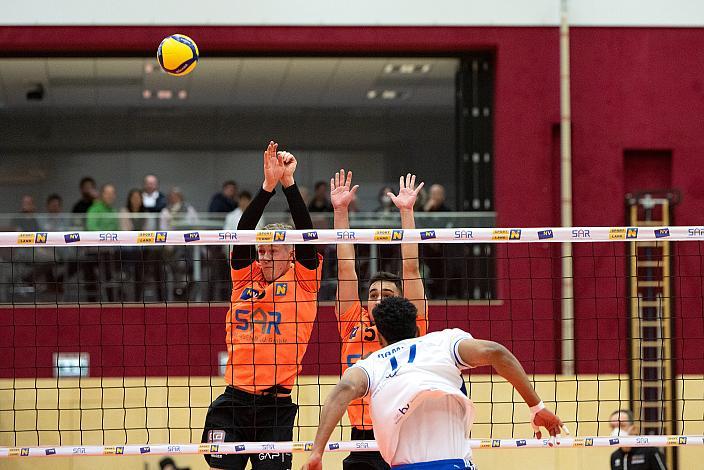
(100, 265)
(101, 216)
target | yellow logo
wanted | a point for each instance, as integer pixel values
(632, 232)
(24, 452)
(266, 236)
(214, 448)
(14, 451)
(397, 235)
(308, 446)
(279, 236)
(682, 440)
(617, 234)
(119, 450)
(382, 235)
(146, 237)
(160, 237)
(109, 451)
(500, 235)
(485, 444)
(589, 442)
(496, 443)
(25, 239)
(515, 234)
(299, 446)
(672, 440)
(203, 448)
(578, 442)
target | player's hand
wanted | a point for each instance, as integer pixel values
(407, 193)
(548, 420)
(315, 462)
(290, 164)
(273, 167)
(340, 193)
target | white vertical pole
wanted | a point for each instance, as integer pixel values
(566, 193)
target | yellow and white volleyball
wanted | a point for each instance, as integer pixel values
(177, 55)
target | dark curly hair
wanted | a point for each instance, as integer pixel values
(395, 319)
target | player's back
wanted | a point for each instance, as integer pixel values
(402, 376)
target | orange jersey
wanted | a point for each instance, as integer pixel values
(269, 325)
(359, 340)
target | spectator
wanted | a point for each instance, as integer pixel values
(436, 201)
(130, 218)
(26, 222)
(178, 214)
(153, 200)
(385, 204)
(133, 266)
(100, 265)
(88, 195)
(101, 216)
(233, 218)
(633, 458)
(320, 202)
(226, 200)
(54, 220)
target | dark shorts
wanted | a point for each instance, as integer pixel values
(364, 460)
(237, 416)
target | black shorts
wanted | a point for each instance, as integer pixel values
(237, 416)
(364, 460)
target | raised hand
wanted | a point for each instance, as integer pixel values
(273, 167)
(290, 164)
(407, 193)
(340, 193)
(549, 421)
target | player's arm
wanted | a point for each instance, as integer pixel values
(475, 353)
(306, 254)
(353, 385)
(244, 255)
(413, 288)
(341, 195)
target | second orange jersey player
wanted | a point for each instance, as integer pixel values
(356, 323)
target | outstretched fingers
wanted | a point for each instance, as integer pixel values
(348, 183)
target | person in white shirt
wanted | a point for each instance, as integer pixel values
(421, 418)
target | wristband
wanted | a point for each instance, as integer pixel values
(536, 408)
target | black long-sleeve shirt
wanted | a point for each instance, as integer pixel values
(244, 255)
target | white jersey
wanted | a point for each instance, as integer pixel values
(408, 427)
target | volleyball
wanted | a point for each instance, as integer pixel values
(177, 55)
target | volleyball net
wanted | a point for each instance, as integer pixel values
(114, 343)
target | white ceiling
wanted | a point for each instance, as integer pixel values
(226, 82)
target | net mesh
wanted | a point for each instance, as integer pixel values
(124, 343)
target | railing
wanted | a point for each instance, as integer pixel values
(201, 273)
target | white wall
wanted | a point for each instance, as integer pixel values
(359, 12)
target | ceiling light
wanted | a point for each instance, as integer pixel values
(407, 69)
(164, 94)
(387, 94)
(146, 94)
(182, 94)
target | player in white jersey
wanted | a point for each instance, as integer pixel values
(421, 418)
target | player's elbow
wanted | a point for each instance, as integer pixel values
(496, 353)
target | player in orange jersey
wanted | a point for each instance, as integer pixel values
(356, 324)
(269, 323)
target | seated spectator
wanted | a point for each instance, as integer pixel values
(153, 200)
(54, 220)
(436, 201)
(88, 195)
(226, 200)
(622, 425)
(131, 215)
(233, 218)
(178, 214)
(101, 216)
(26, 220)
(320, 201)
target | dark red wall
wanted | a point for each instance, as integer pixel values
(632, 89)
